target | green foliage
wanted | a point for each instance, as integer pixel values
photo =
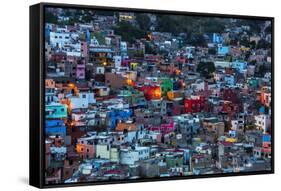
(198, 40)
(261, 70)
(189, 24)
(228, 58)
(263, 44)
(105, 13)
(149, 49)
(98, 36)
(87, 18)
(193, 26)
(245, 41)
(129, 32)
(143, 21)
(255, 25)
(206, 69)
(212, 51)
(50, 18)
(253, 44)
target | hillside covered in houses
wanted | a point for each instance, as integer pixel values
(132, 95)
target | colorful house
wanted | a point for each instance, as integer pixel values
(166, 85)
(85, 149)
(265, 96)
(229, 79)
(240, 66)
(55, 127)
(217, 38)
(223, 50)
(163, 128)
(253, 82)
(151, 92)
(266, 145)
(56, 111)
(194, 104)
(114, 116)
(126, 127)
(80, 71)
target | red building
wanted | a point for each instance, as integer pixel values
(230, 95)
(194, 104)
(181, 59)
(58, 57)
(151, 92)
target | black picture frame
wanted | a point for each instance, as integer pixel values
(36, 110)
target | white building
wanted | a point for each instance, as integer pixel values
(78, 116)
(105, 151)
(117, 61)
(59, 39)
(82, 101)
(262, 122)
(130, 156)
(223, 64)
(199, 85)
(100, 70)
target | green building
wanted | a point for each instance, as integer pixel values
(56, 111)
(174, 160)
(166, 85)
(253, 83)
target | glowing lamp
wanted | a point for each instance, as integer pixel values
(71, 85)
(130, 82)
(170, 95)
(157, 93)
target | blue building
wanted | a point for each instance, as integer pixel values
(114, 116)
(223, 50)
(266, 138)
(229, 80)
(217, 38)
(239, 65)
(55, 127)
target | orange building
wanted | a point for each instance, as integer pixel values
(126, 126)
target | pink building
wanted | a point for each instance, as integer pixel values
(164, 128)
(80, 71)
(84, 49)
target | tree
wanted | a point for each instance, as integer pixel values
(245, 41)
(212, 51)
(149, 49)
(198, 40)
(50, 18)
(128, 31)
(206, 69)
(263, 44)
(143, 21)
(253, 44)
(262, 70)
